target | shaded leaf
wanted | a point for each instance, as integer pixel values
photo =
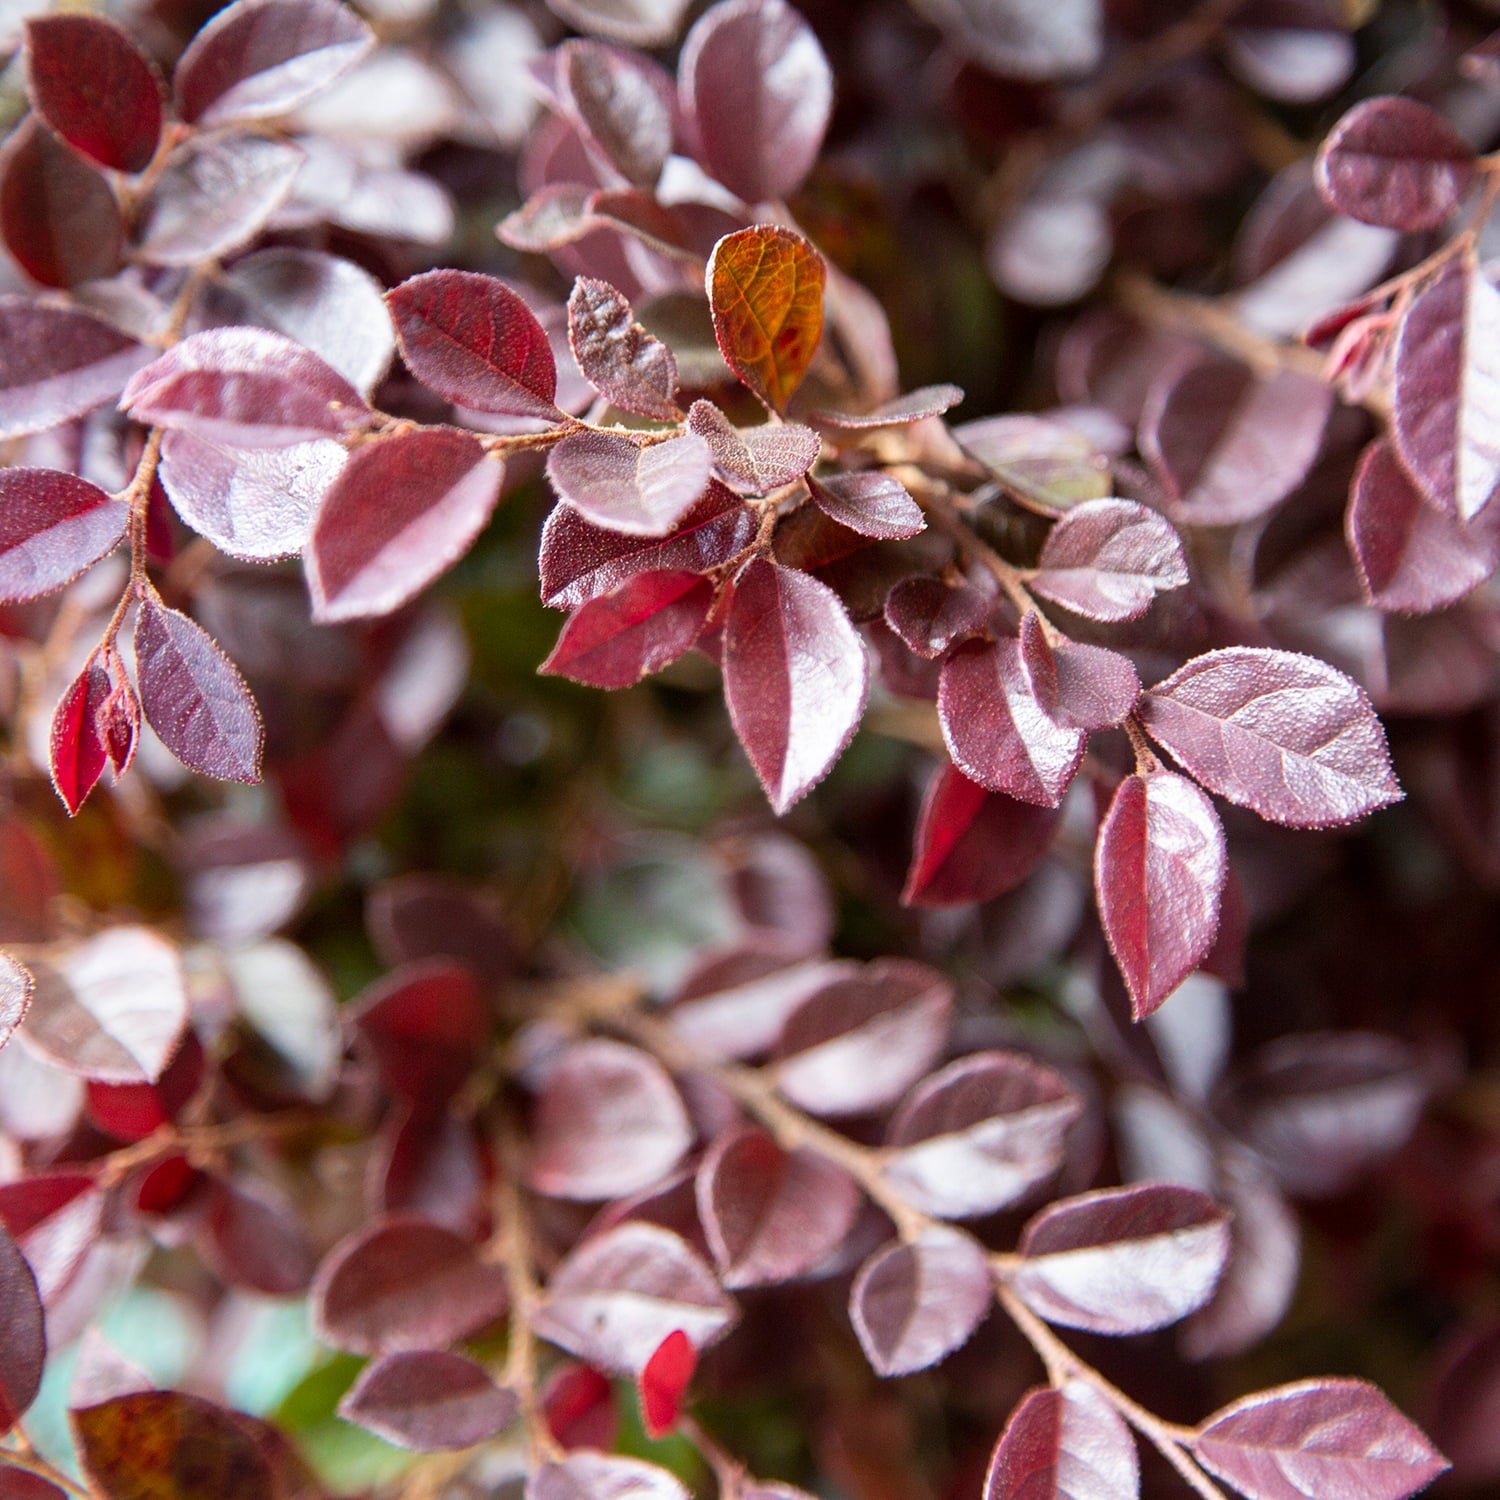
(1049, 465)
(1064, 1443)
(663, 1382)
(429, 1400)
(52, 526)
(601, 1476)
(23, 1334)
(623, 485)
(617, 639)
(872, 503)
(56, 1220)
(930, 615)
(735, 1006)
(1019, 40)
(623, 362)
(1108, 560)
(428, 1027)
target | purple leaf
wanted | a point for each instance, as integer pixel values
(585, 1475)
(254, 1239)
(1317, 1437)
(1122, 1260)
(1078, 687)
(930, 401)
(1064, 1443)
(980, 1134)
(1108, 559)
(1395, 162)
(15, 996)
(929, 614)
(735, 1005)
(23, 1334)
(617, 1296)
(1159, 871)
(1020, 40)
(757, 91)
(1050, 465)
(795, 677)
(194, 697)
(619, 638)
(623, 362)
(623, 485)
(259, 58)
(913, 1304)
(1282, 734)
(52, 526)
(771, 1215)
(427, 1025)
(622, 104)
(403, 511)
(428, 1400)
(871, 503)
(755, 460)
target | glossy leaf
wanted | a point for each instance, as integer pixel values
(52, 526)
(765, 288)
(930, 615)
(428, 1026)
(76, 747)
(623, 362)
(871, 503)
(428, 1400)
(1050, 465)
(15, 996)
(1159, 872)
(735, 1005)
(1108, 560)
(663, 1382)
(602, 1476)
(194, 697)
(1284, 735)
(617, 639)
(400, 513)
(1064, 1443)
(622, 485)
(23, 1334)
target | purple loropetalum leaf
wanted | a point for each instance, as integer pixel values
(1108, 560)
(429, 1400)
(929, 401)
(1079, 687)
(622, 104)
(23, 1334)
(587, 1475)
(1283, 734)
(1020, 40)
(1064, 1443)
(53, 525)
(623, 362)
(930, 615)
(873, 504)
(643, 489)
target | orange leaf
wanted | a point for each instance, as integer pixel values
(765, 286)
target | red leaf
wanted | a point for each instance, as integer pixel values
(52, 526)
(15, 996)
(1284, 735)
(470, 338)
(264, 57)
(90, 82)
(663, 1382)
(194, 697)
(1159, 871)
(428, 1400)
(795, 677)
(580, 1408)
(402, 511)
(1108, 560)
(601, 1476)
(622, 104)
(23, 1334)
(755, 460)
(131, 1111)
(623, 485)
(617, 639)
(254, 1239)
(76, 747)
(55, 1218)
(623, 362)
(1064, 1443)
(871, 503)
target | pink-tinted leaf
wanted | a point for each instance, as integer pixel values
(1050, 465)
(930, 401)
(980, 1134)
(1108, 559)
(622, 104)
(914, 1303)
(555, 215)
(1395, 162)
(622, 485)
(428, 1026)
(755, 460)
(52, 526)
(1291, 64)
(402, 511)
(215, 193)
(1122, 1260)
(254, 1239)
(735, 1005)
(872, 503)
(264, 57)
(623, 362)
(1283, 734)
(244, 387)
(194, 697)
(609, 1122)
(15, 996)
(23, 1334)
(1064, 1443)
(429, 1400)
(55, 1218)
(600, 1476)
(757, 91)
(617, 1296)
(795, 677)
(997, 730)
(771, 1215)
(429, 1163)
(619, 638)
(663, 1382)
(1317, 1437)
(929, 615)
(1446, 410)
(93, 86)
(470, 338)
(1159, 871)
(1078, 687)
(76, 749)
(1412, 557)
(862, 1040)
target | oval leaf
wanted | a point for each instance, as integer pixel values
(619, 638)
(52, 526)
(602, 1476)
(15, 996)
(23, 1334)
(428, 1400)
(873, 504)
(623, 485)
(617, 356)
(1108, 559)
(663, 1382)
(428, 1026)
(76, 749)
(1064, 1443)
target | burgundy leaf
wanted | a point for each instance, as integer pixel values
(1064, 1443)
(1050, 465)
(1078, 687)
(913, 1304)
(264, 57)
(871, 503)
(1317, 1437)
(428, 1400)
(194, 697)
(1060, 40)
(20, 1484)
(429, 1163)
(1284, 735)
(601, 1476)
(617, 1296)
(1108, 559)
(609, 1122)
(732, 456)
(580, 1407)
(473, 340)
(1122, 1260)
(120, 726)
(663, 1382)
(1395, 162)
(15, 996)
(623, 362)
(622, 104)
(23, 1334)
(795, 677)
(76, 748)
(254, 1239)
(402, 511)
(52, 526)
(757, 91)
(131, 1111)
(622, 485)
(1159, 871)
(929, 615)
(980, 1134)
(930, 401)
(436, 916)
(997, 731)
(755, 460)
(736, 1006)
(619, 638)
(771, 1215)
(93, 86)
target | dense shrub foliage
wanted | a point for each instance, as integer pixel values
(1067, 433)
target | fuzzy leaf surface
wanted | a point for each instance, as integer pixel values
(1108, 560)
(1064, 1443)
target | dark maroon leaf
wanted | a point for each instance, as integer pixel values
(429, 1400)
(1317, 1437)
(52, 526)
(1395, 162)
(930, 401)
(757, 92)
(402, 511)
(428, 1026)
(795, 677)
(1064, 1443)
(601, 1476)
(19, 1484)
(76, 749)
(429, 1163)
(617, 1296)
(623, 362)
(622, 104)
(873, 504)
(1078, 687)
(771, 1215)
(23, 1334)
(623, 485)
(1284, 735)
(980, 1134)
(929, 614)
(580, 1407)
(1122, 1260)
(735, 1004)
(472, 339)
(1159, 871)
(663, 1382)
(914, 1303)
(264, 57)
(1108, 559)
(15, 996)
(93, 86)
(435, 916)
(650, 620)
(194, 697)
(254, 1239)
